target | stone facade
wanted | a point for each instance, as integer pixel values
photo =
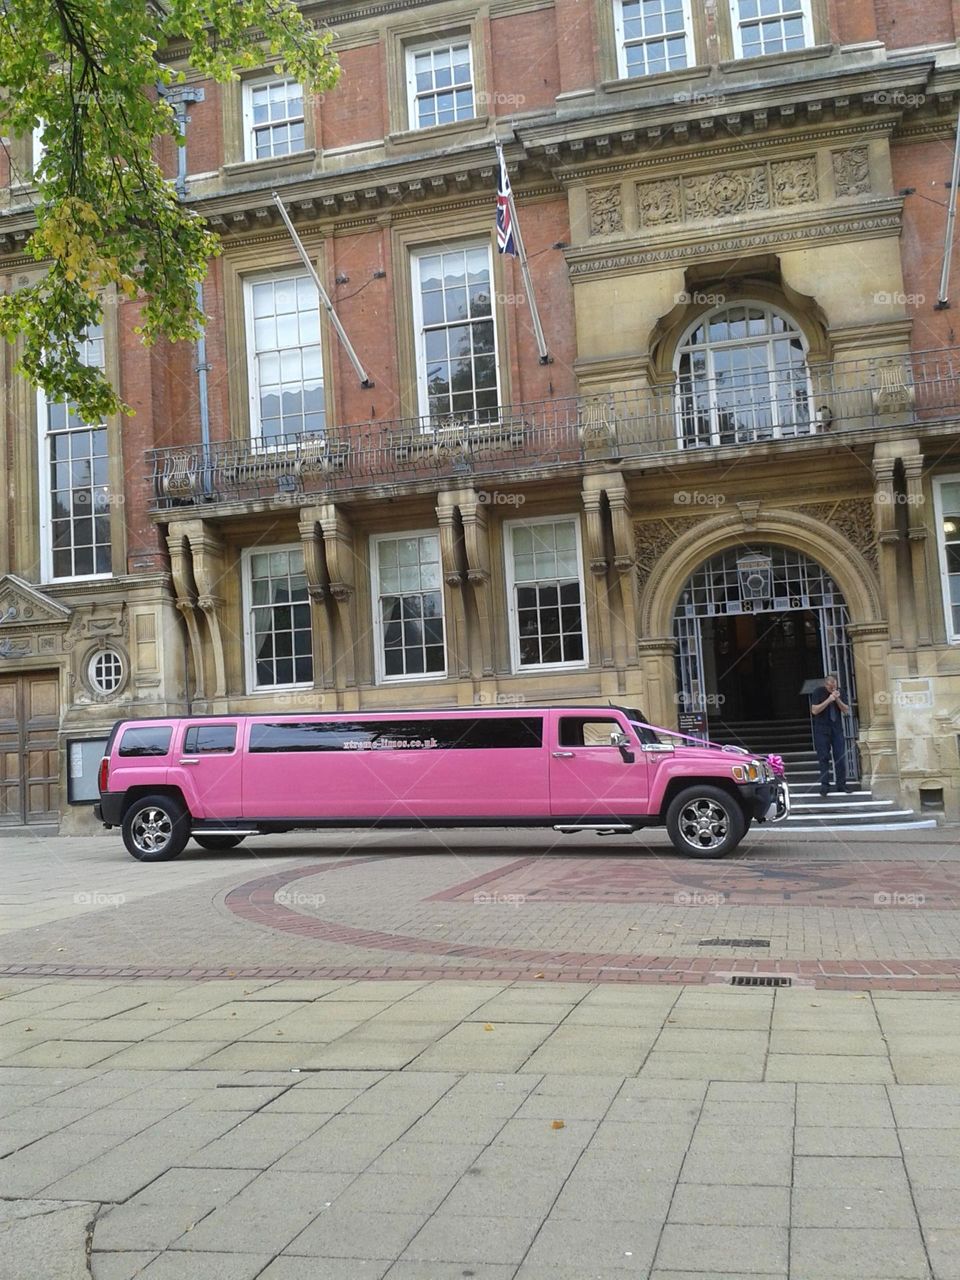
(648, 205)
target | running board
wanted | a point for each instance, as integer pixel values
(601, 828)
(224, 831)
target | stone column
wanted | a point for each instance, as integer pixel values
(598, 565)
(888, 537)
(659, 680)
(459, 649)
(878, 747)
(208, 569)
(917, 535)
(476, 536)
(624, 562)
(186, 600)
(338, 548)
(318, 589)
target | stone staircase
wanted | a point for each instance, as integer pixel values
(859, 809)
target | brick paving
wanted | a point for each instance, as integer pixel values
(421, 1058)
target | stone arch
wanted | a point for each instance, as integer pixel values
(703, 296)
(846, 565)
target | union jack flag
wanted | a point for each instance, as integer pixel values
(505, 240)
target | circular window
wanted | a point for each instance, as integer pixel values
(105, 671)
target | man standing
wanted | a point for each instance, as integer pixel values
(829, 708)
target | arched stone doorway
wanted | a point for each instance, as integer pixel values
(753, 625)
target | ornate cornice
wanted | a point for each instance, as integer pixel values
(822, 226)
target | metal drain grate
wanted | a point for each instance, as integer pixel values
(734, 942)
(753, 980)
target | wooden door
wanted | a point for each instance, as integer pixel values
(29, 748)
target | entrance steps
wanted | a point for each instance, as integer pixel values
(857, 810)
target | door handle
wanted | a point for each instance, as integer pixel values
(189, 762)
(563, 755)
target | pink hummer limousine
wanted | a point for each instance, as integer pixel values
(603, 769)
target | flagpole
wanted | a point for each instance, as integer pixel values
(545, 357)
(328, 305)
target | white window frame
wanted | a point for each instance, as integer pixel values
(737, 23)
(518, 668)
(249, 143)
(253, 373)
(427, 46)
(429, 251)
(619, 30)
(45, 504)
(37, 149)
(246, 604)
(97, 656)
(953, 635)
(378, 637)
(684, 348)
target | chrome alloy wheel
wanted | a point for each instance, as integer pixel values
(151, 830)
(704, 823)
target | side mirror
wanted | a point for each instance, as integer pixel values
(622, 742)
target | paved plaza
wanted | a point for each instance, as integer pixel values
(430, 1058)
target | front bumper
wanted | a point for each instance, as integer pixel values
(767, 801)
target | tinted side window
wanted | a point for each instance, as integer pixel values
(208, 739)
(470, 734)
(151, 741)
(583, 731)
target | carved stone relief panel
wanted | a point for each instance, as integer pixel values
(728, 193)
(659, 203)
(854, 518)
(851, 171)
(794, 181)
(606, 211)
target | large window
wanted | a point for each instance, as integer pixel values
(456, 334)
(74, 497)
(277, 615)
(652, 36)
(408, 604)
(286, 362)
(547, 623)
(742, 376)
(439, 84)
(946, 494)
(273, 119)
(770, 26)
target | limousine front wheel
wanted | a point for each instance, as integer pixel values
(705, 821)
(156, 828)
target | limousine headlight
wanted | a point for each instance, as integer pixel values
(749, 771)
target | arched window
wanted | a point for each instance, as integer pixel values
(742, 376)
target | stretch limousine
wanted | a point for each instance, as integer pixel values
(603, 769)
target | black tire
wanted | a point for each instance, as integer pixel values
(217, 843)
(155, 829)
(705, 822)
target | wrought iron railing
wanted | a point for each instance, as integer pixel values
(644, 421)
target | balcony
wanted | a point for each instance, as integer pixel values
(855, 400)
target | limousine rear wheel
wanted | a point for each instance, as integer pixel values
(156, 828)
(216, 843)
(705, 822)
